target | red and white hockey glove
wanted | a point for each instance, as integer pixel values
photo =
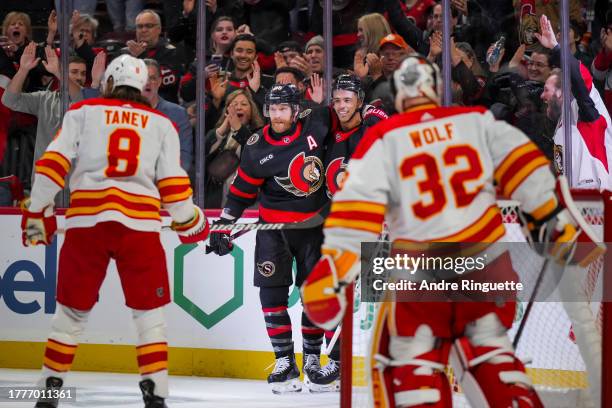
(194, 230)
(323, 292)
(37, 228)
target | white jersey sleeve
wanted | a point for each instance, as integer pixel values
(172, 181)
(522, 172)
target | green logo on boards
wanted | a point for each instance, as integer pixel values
(210, 319)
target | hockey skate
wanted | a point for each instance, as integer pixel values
(150, 399)
(310, 365)
(326, 379)
(285, 377)
(51, 383)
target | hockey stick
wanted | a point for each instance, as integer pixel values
(242, 228)
(334, 339)
(314, 221)
(519, 331)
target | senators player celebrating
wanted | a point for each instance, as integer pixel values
(347, 99)
(284, 163)
(430, 171)
(126, 166)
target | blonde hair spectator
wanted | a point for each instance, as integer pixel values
(371, 28)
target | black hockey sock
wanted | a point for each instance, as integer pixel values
(278, 324)
(335, 352)
(312, 336)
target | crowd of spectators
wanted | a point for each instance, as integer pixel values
(498, 58)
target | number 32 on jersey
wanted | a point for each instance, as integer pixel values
(123, 152)
(432, 185)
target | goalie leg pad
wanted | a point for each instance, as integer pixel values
(487, 369)
(418, 378)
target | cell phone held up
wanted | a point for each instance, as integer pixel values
(217, 60)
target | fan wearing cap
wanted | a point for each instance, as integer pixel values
(124, 158)
(393, 49)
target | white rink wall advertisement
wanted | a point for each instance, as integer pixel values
(215, 305)
(214, 302)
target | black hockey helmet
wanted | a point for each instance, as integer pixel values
(349, 82)
(282, 93)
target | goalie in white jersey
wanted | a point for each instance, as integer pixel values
(430, 172)
(125, 165)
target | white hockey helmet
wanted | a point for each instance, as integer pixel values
(126, 71)
(416, 77)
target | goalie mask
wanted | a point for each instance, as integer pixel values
(126, 70)
(416, 77)
(287, 94)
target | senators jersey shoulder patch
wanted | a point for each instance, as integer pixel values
(305, 113)
(253, 139)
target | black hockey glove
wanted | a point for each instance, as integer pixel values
(219, 242)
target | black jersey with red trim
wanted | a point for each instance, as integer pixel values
(340, 148)
(286, 170)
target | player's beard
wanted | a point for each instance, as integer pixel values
(280, 126)
(553, 109)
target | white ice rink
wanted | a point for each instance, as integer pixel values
(112, 390)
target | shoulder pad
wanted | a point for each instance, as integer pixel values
(305, 113)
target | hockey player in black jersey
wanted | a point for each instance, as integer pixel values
(283, 162)
(354, 118)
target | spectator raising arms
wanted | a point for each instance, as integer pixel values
(240, 119)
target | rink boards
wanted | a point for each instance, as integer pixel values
(215, 324)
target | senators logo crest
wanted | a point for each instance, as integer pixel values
(305, 175)
(335, 174)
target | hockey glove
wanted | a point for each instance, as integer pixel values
(220, 242)
(194, 230)
(37, 227)
(373, 114)
(556, 237)
(323, 292)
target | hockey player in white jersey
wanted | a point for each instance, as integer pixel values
(430, 172)
(125, 164)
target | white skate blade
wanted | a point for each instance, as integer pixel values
(334, 386)
(293, 385)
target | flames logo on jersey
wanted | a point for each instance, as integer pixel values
(305, 175)
(335, 174)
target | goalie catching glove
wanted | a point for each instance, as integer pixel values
(556, 235)
(323, 292)
(37, 227)
(194, 230)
